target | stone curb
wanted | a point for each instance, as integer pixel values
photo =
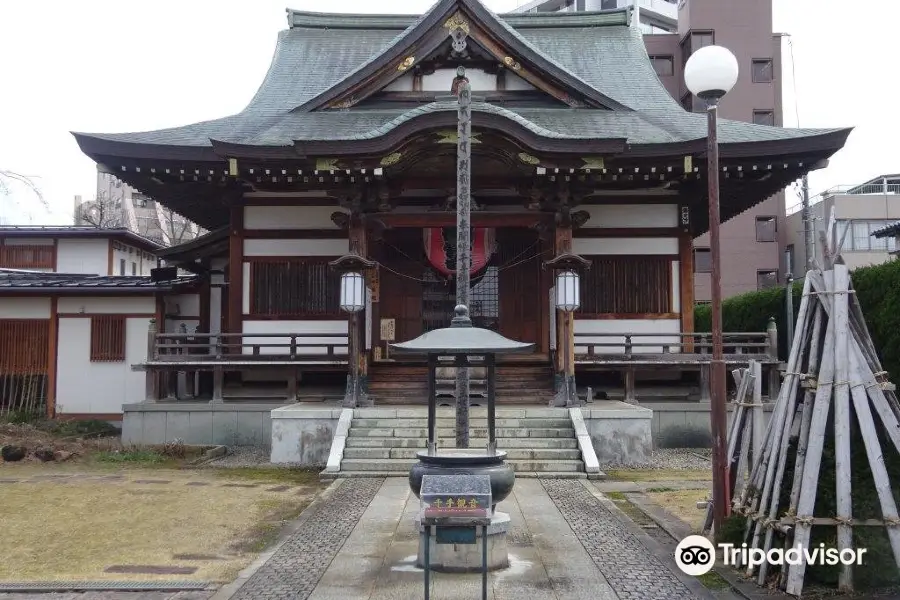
(229, 590)
(678, 530)
(209, 456)
(699, 590)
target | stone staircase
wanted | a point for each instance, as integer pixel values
(540, 442)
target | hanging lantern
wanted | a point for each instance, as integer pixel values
(568, 297)
(353, 296)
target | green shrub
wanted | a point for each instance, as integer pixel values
(136, 455)
(683, 436)
(878, 290)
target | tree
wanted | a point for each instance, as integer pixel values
(104, 212)
(10, 179)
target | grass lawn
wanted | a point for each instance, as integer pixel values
(76, 529)
(682, 504)
(661, 475)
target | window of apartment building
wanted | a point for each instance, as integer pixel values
(107, 338)
(766, 228)
(694, 41)
(702, 260)
(134, 268)
(764, 117)
(608, 4)
(294, 288)
(761, 70)
(121, 266)
(663, 65)
(766, 279)
(859, 238)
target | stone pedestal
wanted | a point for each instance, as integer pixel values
(466, 558)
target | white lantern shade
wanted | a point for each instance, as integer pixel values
(353, 292)
(711, 72)
(568, 294)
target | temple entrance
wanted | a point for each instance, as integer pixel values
(508, 294)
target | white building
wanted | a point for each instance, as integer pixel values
(75, 308)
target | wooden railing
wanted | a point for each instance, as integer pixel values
(230, 347)
(600, 347)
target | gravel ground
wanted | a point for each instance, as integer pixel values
(670, 458)
(243, 456)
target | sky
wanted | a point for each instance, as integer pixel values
(116, 66)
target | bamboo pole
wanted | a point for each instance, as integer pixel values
(757, 408)
(813, 462)
(782, 426)
(843, 484)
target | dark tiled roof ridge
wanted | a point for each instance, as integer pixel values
(314, 20)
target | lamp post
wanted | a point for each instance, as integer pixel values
(353, 300)
(568, 300)
(709, 74)
(353, 269)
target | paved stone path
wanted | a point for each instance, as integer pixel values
(632, 571)
(296, 567)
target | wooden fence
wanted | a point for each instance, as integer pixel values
(24, 363)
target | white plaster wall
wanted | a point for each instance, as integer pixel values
(114, 305)
(24, 308)
(83, 256)
(623, 326)
(514, 82)
(401, 84)
(184, 305)
(98, 387)
(676, 286)
(296, 247)
(245, 289)
(631, 215)
(289, 217)
(290, 327)
(625, 246)
(442, 80)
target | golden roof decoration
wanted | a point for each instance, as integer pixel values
(406, 64)
(457, 21)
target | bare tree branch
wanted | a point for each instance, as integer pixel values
(101, 212)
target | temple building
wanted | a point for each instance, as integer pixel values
(349, 147)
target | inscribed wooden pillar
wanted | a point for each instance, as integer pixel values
(565, 329)
(359, 245)
(686, 283)
(236, 270)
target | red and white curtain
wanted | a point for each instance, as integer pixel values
(437, 244)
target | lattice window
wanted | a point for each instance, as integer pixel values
(627, 285)
(107, 338)
(295, 288)
(23, 346)
(26, 257)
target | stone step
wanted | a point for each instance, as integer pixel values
(519, 474)
(421, 412)
(404, 465)
(476, 432)
(537, 454)
(420, 443)
(443, 423)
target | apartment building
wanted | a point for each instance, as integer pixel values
(751, 241)
(861, 211)
(117, 204)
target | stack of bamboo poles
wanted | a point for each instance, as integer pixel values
(832, 363)
(746, 432)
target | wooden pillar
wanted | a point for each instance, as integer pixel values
(686, 283)
(52, 351)
(359, 244)
(236, 270)
(565, 329)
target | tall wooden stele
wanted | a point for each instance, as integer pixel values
(832, 363)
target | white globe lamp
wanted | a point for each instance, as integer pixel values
(711, 72)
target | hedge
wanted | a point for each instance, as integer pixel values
(878, 290)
